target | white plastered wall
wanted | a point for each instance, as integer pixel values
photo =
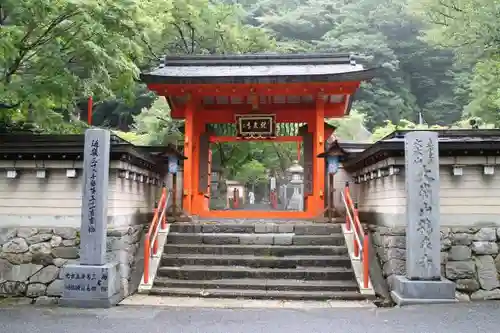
(56, 199)
(471, 199)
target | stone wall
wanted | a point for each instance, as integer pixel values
(469, 257)
(31, 259)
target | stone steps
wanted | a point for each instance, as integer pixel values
(255, 239)
(236, 272)
(249, 228)
(259, 294)
(258, 250)
(253, 261)
(259, 284)
(301, 261)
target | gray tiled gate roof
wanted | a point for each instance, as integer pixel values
(257, 68)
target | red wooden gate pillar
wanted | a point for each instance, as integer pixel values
(316, 200)
(188, 152)
(193, 129)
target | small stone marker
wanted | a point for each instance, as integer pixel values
(91, 286)
(423, 282)
(93, 282)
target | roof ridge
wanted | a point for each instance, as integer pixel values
(258, 59)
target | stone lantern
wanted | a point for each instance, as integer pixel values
(215, 176)
(333, 156)
(295, 175)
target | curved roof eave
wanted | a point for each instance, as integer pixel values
(359, 75)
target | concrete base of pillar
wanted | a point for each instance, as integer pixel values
(406, 292)
(91, 286)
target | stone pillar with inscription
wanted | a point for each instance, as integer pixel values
(423, 282)
(93, 282)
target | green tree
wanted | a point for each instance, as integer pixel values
(389, 127)
(252, 173)
(351, 127)
(414, 77)
(207, 27)
(154, 126)
(485, 90)
(54, 53)
(472, 29)
(119, 112)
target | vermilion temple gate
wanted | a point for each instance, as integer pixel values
(260, 90)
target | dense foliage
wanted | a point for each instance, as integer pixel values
(53, 55)
(439, 62)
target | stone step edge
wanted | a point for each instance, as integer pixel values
(236, 234)
(262, 239)
(250, 221)
(253, 223)
(334, 257)
(269, 294)
(299, 229)
(215, 268)
(258, 246)
(263, 282)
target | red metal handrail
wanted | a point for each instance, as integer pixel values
(151, 241)
(360, 239)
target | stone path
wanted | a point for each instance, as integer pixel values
(456, 318)
(258, 206)
(190, 302)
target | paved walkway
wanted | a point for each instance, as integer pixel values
(456, 318)
(259, 207)
(228, 303)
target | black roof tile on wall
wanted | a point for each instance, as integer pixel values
(71, 146)
(453, 142)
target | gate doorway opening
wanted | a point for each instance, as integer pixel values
(256, 175)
